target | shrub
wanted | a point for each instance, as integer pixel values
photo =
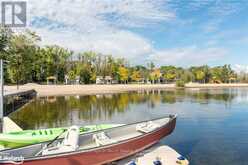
(180, 83)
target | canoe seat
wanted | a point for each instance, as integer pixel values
(147, 127)
(102, 139)
(69, 144)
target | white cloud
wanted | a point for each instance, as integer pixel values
(86, 15)
(225, 8)
(216, 11)
(212, 7)
(191, 55)
(219, 12)
(240, 68)
(120, 44)
(99, 25)
(103, 26)
(136, 49)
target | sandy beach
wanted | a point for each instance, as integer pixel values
(56, 90)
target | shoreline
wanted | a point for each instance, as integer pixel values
(230, 85)
(61, 90)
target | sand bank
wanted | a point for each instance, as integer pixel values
(56, 90)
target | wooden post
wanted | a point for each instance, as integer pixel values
(1, 95)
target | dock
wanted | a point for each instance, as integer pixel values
(14, 99)
(157, 155)
(8, 93)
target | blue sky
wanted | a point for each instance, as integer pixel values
(176, 32)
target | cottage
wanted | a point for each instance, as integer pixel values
(105, 80)
(108, 80)
(99, 80)
(74, 81)
(51, 80)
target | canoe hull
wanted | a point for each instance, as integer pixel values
(109, 153)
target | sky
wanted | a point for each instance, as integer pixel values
(167, 32)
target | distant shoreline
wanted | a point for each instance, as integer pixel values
(197, 85)
(60, 90)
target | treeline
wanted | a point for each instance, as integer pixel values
(30, 62)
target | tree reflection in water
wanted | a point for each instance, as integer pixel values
(65, 110)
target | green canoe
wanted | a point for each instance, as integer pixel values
(27, 137)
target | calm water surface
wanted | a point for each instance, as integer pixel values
(212, 125)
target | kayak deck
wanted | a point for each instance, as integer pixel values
(27, 137)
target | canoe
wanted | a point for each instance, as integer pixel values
(28, 137)
(94, 148)
(158, 154)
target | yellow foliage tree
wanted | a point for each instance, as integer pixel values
(136, 76)
(170, 75)
(123, 73)
(155, 75)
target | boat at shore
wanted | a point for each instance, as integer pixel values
(27, 137)
(94, 148)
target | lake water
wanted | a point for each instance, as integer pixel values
(212, 125)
